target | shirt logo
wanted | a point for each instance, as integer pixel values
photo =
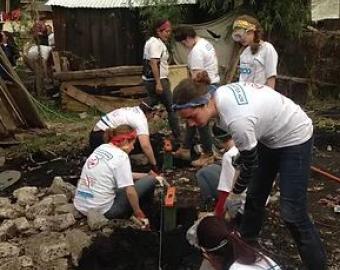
(239, 94)
(246, 71)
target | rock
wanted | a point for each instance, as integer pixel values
(77, 241)
(25, 261)
(26, 195)
(8, 250)
(4, 202)
(52, 250)
(22, 224)
(96, 220)
(7, 229)
(55, 199)
(10, 264)
(2, 161)
(42, 208)
(68, 208)
(60, 187)
(42, 224)
(8, 212)
(59, 264)
(62, 222)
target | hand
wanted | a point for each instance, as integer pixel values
(154, 170)
(234, 203)
(159, 88)
(140, 219)
(162, 181)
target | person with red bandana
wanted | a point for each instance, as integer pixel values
(107, 183)
(156, 70)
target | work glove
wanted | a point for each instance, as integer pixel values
(162, 181)
(140, 219)
(234, 203)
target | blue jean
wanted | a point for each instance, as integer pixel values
(166, 99)
(121, 207)
(293, 164)
(208, 178)
(205, 137)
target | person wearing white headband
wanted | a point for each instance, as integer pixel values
(258, 61)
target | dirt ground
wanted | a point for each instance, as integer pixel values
(139, 250)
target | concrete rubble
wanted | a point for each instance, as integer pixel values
(41, 229)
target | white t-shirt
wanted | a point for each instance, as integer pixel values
(203, 57)
(155, 48)
(255, 113)
(263, 264)
(108, 168)
(227, 175)
(132, 116)
(257, 68)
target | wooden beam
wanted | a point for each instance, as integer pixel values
(132, 91)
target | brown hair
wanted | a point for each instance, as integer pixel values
(112, 132)
(258, 33)
(202, 77)
(187, 90)
(211, 231)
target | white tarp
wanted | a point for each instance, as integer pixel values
(218, 32)
(325, 9)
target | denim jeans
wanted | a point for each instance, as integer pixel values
(205, 137)
(166, 99)
(293, 164)
(208, 178)
(121, 207)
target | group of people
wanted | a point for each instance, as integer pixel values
(264, 134)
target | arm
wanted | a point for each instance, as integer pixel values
(144, 141)
(271, 82)
(153, 62)
(133, 199)
(137, 175)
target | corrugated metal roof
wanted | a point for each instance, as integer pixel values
(106, 3)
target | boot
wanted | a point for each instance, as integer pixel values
(204, 160)
(183, 153)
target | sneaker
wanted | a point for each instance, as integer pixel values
(204, 160)
(183, 153)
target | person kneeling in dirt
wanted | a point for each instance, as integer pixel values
(107, 183)
(136, 117)
(222, 247)
(216, 181)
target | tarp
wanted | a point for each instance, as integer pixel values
(218, 32)
(325, 9)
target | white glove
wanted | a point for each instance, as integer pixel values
(162, 181)
(234, 203)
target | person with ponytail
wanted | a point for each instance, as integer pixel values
(258, 61)
(106, 183)
(274, 135)
(222, 247)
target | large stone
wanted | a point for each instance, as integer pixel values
(96, 220)
(43, 208)
(52, 250)
(62, 222)
(25, 262)
(55, 199)
(77, 240)
(59, 264)
(68, 208)
(7, 229)
(60, 187)
(8, 250)
(22, 224)
(8, 212)
(10, 264)
(42, 224)
(4, 202)
(26, 195)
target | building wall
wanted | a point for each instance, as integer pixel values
(111, 36)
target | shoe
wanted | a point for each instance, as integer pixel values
(183, 153)
(204, 160)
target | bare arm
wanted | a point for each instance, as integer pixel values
(156, 74)
(133, 200)
(271, 82)
(144, 141)
(137, 175)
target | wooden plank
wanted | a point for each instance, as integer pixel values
(99, 73)
(56, 61)
(132, 91)
(103, 104)
(116, 81)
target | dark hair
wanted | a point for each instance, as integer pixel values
(184, 31)
(145, 106)
(10, 38)
(112, 132)
(187, 90)
(211, 231)
(258, 33)
(202, 77)
(220, 134)
(158, 23)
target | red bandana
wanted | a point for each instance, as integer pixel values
(165, 26)
(118, 139)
